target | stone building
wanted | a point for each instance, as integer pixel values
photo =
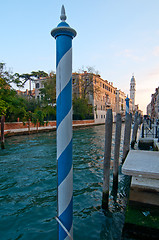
(149, 109)
(132, 91)
(155, 104)
(39, 83)
(120, 102)
(100, 93)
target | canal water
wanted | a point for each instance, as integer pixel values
(28, 188)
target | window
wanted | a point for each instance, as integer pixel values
(103, 85)
(37, 85)
(101, 107)
(96, 116)
(101, 116)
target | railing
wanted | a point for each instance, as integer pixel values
(150, 130)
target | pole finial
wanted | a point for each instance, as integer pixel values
(63, 15)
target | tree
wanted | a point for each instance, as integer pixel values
(38, 118)
(28, 118)
(6, 78)
(48, 93)
(81, 109)
(86, 82)
(31, 77)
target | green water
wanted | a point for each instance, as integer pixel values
(28, 188)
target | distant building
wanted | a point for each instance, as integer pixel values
(149, 109)
(120, 102)
(39, 84)
(100, 93)
(132, 91)
(26, 93)
(155, 104)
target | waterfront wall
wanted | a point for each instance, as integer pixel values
(12, 128)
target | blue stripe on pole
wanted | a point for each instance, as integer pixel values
(64, 99)
(65, 163)
(66, 220)
(66, 43)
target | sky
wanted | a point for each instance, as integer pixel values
(117, 38)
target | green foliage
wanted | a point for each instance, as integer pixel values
(81, 109)
(50, 112)
(31, 104)
(8, 77)
(39, 74)
(28, 116)
(3, 107)
(49, 90)
(31, 76)
(38, 118)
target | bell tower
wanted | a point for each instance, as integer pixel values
(132, 91)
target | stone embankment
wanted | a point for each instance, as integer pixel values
(20, 128)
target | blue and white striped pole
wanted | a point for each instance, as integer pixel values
(64, 34)
(127, 105)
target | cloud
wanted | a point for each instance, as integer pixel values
(156, 51)
(129, 53)
(154, 72)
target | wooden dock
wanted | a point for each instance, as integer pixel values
(143, 166)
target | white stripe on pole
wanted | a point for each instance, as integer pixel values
(64, 129)
(65, 65)
(62, 188)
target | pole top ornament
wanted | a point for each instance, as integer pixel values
(63, 14)
(63, 28)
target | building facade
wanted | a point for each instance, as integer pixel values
(100, 93)
(153, 106)
(39, 84)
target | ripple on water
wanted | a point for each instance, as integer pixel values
(28, 187)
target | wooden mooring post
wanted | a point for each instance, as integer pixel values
(2, 131)
(142, 130)
(135, 128)
(107, 157)
(127, 134)
(116, 153)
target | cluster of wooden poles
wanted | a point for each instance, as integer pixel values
(108, 147)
